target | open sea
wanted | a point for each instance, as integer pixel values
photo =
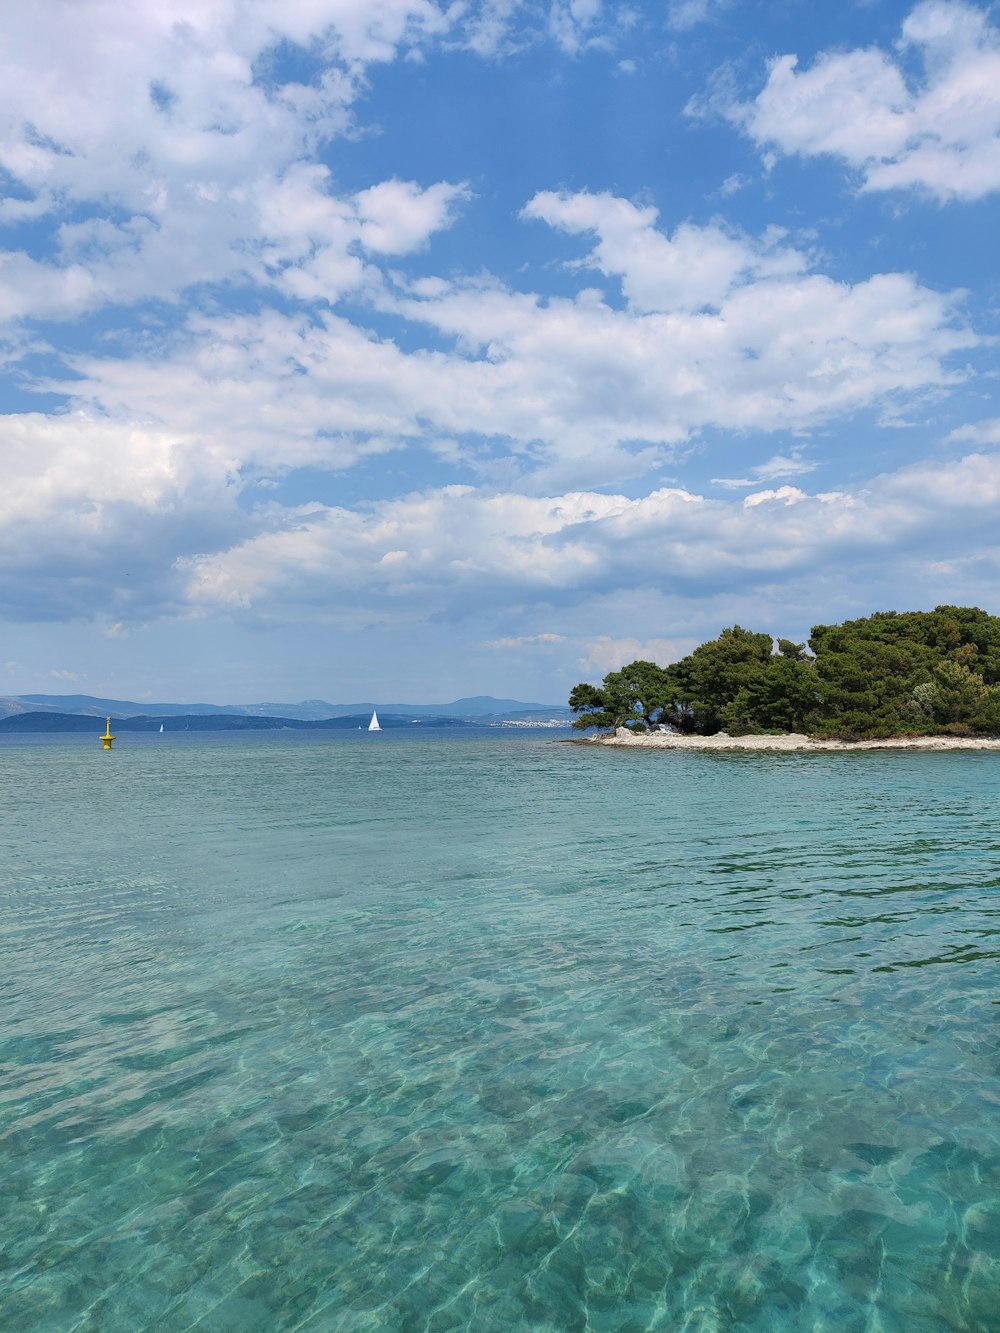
(431, 1031)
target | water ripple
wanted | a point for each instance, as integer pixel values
(492, 1035)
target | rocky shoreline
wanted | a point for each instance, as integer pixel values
(793, 741)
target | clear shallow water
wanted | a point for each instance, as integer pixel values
(443, 1033)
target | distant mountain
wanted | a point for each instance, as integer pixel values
(90, 706)
(23, 723)
(479, 708)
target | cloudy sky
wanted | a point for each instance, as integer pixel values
(418, 348)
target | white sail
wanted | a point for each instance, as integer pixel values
(161, 726)
(373, 724)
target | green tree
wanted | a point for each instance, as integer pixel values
(593, 706)
(796, 652)
(634, 697)
(980, 640)
(706, 683)
(783, 695)
(888, 674)
(915, 671)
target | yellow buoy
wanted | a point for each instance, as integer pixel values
(107, 739)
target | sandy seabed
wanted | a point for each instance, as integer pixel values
(665, 740)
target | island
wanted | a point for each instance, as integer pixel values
(916, 678)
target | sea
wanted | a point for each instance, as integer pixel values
(485, 1030)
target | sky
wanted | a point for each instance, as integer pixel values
(414, 349)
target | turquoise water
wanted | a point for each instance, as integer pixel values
(455, 1033)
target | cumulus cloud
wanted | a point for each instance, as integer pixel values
(694, 269)
(312, 244)
(718, 329)
(566, 392)
(201, 169)
(978, 432)
(397, 217)
(609, 654)
(93, 513)
(188, 117)
(457, 548)
(166, 535)
(176, 153)
(939, 132)
(578, 391)
(165, 152)
(143, 488)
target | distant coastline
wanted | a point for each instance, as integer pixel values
(789, 742)
(77, 723)
(82, 712)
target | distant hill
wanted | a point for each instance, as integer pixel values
(91, 706)
(478, 706)
(77, 723)
(84, 712)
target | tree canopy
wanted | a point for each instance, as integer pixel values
(889, 674)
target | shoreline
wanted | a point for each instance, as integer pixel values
(792, 742)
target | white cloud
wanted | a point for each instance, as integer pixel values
(577, 391)
(174, 156)
(93, 513)
(979, 432)
(488, 29)
(154, 104)
(458, 550)
(572, 21)
(211, 176)
(307, 238)
(142, 490)
(733, 184)
(777, 468)
(719, 330)
(609, 654)
(526, 641)
(940, 133)
(566, 393)
(129, 525)
(786, 495)
(397, 217)
(683, 15)
(694, 269)
(172, 127)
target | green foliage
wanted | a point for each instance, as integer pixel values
(707, 684)
(918, 672)
(889, 674)
(795, 651)
(781, 696)
(633, 697)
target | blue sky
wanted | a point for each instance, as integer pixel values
(411, 349)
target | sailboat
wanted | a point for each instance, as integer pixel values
(161, 726)
(373, 724)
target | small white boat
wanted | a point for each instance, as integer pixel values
(161, 726)
(373, 724)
